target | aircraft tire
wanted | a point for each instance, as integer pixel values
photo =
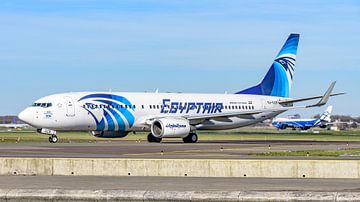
(152, 138)
(191, 138)
(53, 139)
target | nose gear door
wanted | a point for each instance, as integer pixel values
(70, 107)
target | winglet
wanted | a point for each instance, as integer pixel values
(325, 97)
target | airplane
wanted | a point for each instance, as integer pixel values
(304, 124)
(171, 115)
(13, 125)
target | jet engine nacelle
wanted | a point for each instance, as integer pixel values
(109, 134)
(170, 127)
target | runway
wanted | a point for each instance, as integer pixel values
(171, 149)
(142, 171)
(177, 183)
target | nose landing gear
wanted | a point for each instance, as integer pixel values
(53, 139)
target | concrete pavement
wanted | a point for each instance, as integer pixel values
(61, 188)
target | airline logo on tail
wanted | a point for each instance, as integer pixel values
(325, 116)
(278, 80)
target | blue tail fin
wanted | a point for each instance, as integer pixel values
(325, 116)
(278, 80)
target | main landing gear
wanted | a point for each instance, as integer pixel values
(53, 139)
(152, 138)
(191, 138)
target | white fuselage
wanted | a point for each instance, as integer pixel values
(122, 111)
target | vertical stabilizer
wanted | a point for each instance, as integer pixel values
(325, 116)
(279, 78)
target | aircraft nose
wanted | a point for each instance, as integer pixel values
(25, 116)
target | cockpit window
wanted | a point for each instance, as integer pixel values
(44, 105)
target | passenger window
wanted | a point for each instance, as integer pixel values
(150, 106)
(142, 106)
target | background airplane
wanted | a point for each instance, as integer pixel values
(304, 124)
(14, 124)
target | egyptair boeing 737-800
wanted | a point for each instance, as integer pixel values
(170, 115)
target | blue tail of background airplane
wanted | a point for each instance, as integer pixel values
(325, 116)
(278, 80)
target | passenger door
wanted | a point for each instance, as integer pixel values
(70, 107)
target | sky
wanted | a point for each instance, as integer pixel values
(211, 46)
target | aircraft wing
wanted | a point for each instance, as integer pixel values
(236, 114)
(201, 117)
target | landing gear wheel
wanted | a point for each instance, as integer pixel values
(191, 138)
(152, 138)
(53, 139)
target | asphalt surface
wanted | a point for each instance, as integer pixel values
(178, 183)
(171, 149)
